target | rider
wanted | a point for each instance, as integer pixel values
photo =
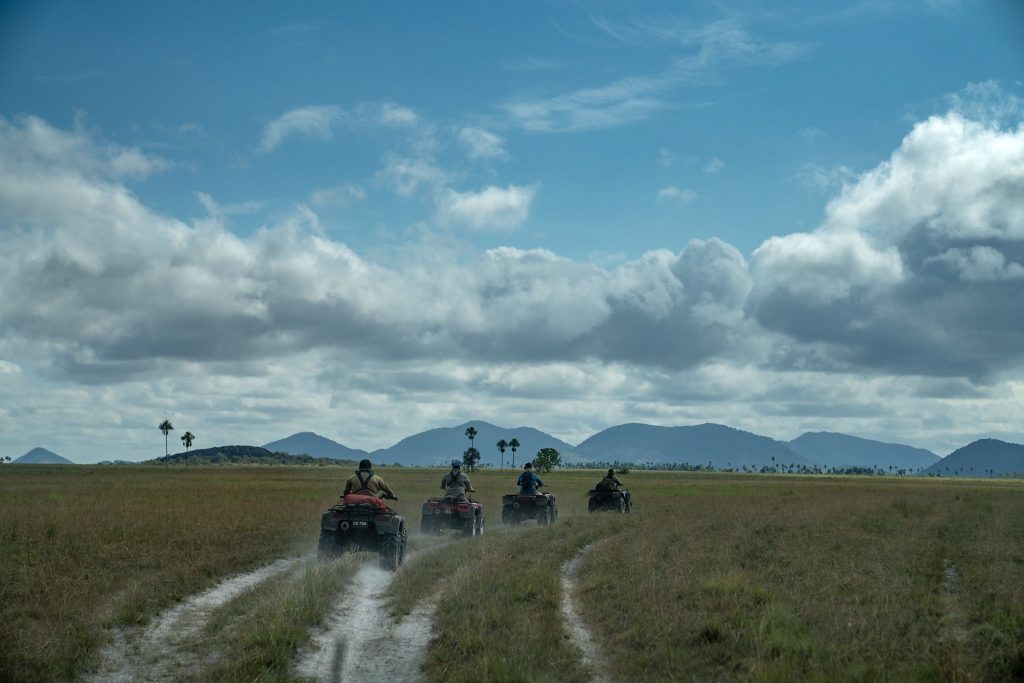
(456, 484)
(610, 482)
(528, 481)
(365, 482)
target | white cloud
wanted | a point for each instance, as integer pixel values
(316, 121)
(492, 207)
(674, 194)
(482, 144)
(217, 210)
(35, 144)
(342, 195)
(713, 166)
(407, 175)
(956, 177)
(980, 264)
(820, 178)
(717, 47)
(824, 266)
(320, 122)
(113, 312)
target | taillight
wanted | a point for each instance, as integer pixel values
(463, 507)
(382, 518)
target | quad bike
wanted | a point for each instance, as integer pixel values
(447, 513)
(517, 507)
(609, 499)
(364, 523)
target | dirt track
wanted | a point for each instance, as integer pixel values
(164, 651)
(578, 632)
(361, 643)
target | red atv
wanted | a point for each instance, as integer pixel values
(447, 513)
(364, 523)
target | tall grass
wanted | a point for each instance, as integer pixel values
(85, 548)
(714, 576)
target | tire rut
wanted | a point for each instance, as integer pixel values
(164, 650)
(361, 643)
(576, 626)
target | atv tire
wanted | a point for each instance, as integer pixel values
(620, 505)
(427, 524)
(328, 548)
(392, 551)
(544, 517)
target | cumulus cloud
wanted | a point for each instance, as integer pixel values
(674, 194)
(908, 289)
(482, 144)
(713, 166)
(310, 121)
(342, 195)
(979, 264)
(320, 122)
(407, 175)
(873, 283)
(34, 145)
(492, 207)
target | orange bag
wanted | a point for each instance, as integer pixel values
(361, 498)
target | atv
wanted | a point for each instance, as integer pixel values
(517, 507)
(447, 513)
(609, 499)
(361, 522)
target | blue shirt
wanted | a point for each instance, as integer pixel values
(528, 483)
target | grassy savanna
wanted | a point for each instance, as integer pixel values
(83, 548)
(751, 578)
(714, 576)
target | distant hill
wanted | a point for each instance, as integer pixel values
(242, 455)
(41, 456)
(308, 443)
(982, 458)
(699, 444)
(842, 450)
(440, 446)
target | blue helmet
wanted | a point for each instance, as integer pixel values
(456, 464)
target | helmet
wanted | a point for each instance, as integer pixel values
(365, 464)
(610, 471)
(456, 464)
(528, 466)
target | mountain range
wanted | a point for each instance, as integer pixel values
(830, 449)
(718, 445)
(715, 444)
(41, 456)
(981, 458)
(315, 445)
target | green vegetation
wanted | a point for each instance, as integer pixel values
(244, 455)
(714, 576)
(257, 635)
(547, 459)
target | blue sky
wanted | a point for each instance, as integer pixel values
(566, 215)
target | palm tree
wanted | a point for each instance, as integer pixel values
(514, 445)
(166, 427)
(471, 434)
(502, 445)
(187, 438)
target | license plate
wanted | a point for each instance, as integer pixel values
(359, 523)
